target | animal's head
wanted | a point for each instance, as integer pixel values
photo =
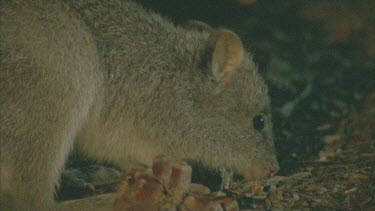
(235, 100)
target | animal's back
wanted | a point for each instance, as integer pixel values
(49, 78)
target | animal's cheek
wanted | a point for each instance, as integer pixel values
(260, 170)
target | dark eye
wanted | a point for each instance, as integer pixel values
(259, 122)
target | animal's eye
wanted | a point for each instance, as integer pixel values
(259, 122)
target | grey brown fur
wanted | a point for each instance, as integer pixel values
(128, 85)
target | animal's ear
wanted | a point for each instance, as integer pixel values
(199, 25)
(227, 55)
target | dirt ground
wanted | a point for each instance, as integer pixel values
(318, 61)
